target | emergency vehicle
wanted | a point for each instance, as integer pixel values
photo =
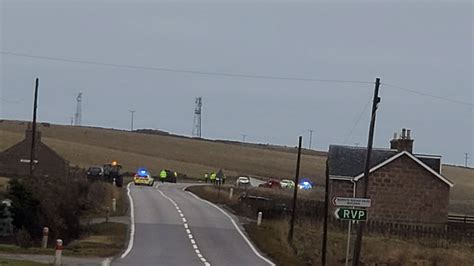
(143, 177)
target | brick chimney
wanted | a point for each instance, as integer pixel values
(402, 143)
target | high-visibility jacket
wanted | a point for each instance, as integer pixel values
(213, 176)
(206, 175)
(163, 174)
(175, 174)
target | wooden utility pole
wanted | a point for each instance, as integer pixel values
(33, 130)
(325, 226)
(361, 225)
(295, 194)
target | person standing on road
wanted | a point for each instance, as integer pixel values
(220, 177)
(163, 176)
(213, 178)
(206, 177)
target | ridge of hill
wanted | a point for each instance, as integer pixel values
(86, 146)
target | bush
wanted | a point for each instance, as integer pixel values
(55, 202)
(23, 239)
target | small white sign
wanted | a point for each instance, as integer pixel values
(27, 161)
(351, 202)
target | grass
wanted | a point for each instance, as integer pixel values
(376, 248)
(107, 192)
(8, 262)
(271, 238)
(104, 240)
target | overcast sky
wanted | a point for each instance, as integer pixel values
(424, 46)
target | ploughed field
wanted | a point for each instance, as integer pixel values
(86, 146)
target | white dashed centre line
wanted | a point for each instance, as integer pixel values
(186, 226)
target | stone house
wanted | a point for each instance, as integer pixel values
(404, 187)
(14, 161)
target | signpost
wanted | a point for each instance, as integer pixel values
(351, 202)
(351, 214)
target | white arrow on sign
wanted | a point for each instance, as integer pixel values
(351, 202)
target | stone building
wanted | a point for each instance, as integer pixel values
(14, 161)
(404, 187)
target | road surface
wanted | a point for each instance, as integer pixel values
(173, 227)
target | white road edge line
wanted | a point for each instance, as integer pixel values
(236, 227)
(188, 231)
(132, 223)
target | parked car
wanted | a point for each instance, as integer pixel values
(286, 183)
(95, 173)
(271, 184)
(242, 181)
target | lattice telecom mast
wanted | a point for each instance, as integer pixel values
(78, 115)
(197, 118)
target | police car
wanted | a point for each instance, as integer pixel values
(143, 177)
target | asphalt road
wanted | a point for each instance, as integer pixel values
(173, 227)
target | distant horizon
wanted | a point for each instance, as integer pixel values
(172, 134)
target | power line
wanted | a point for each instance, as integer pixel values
(232, 75)
(357, 122)
(10, 100)
(429, 95)
(195, 72)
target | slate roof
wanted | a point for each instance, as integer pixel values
(349, 161)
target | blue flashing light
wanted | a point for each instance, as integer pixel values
(142, 172)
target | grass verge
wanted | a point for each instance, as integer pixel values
(271, 239)
(8, 262)
(101, 240)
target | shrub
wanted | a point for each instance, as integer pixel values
(55, 202)
(23, 239)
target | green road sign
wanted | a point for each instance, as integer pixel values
(351, 214)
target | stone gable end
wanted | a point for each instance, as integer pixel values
(403, 191)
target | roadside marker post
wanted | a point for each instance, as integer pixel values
(114, 205)
(59, 252)
(231, 193)
(259, 218)
(44, 243)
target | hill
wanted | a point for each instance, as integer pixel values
(86, 146)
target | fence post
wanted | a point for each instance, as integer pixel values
(259, 218)
(44, 243)
(231, 193)
(114, 205)
(59, 252)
